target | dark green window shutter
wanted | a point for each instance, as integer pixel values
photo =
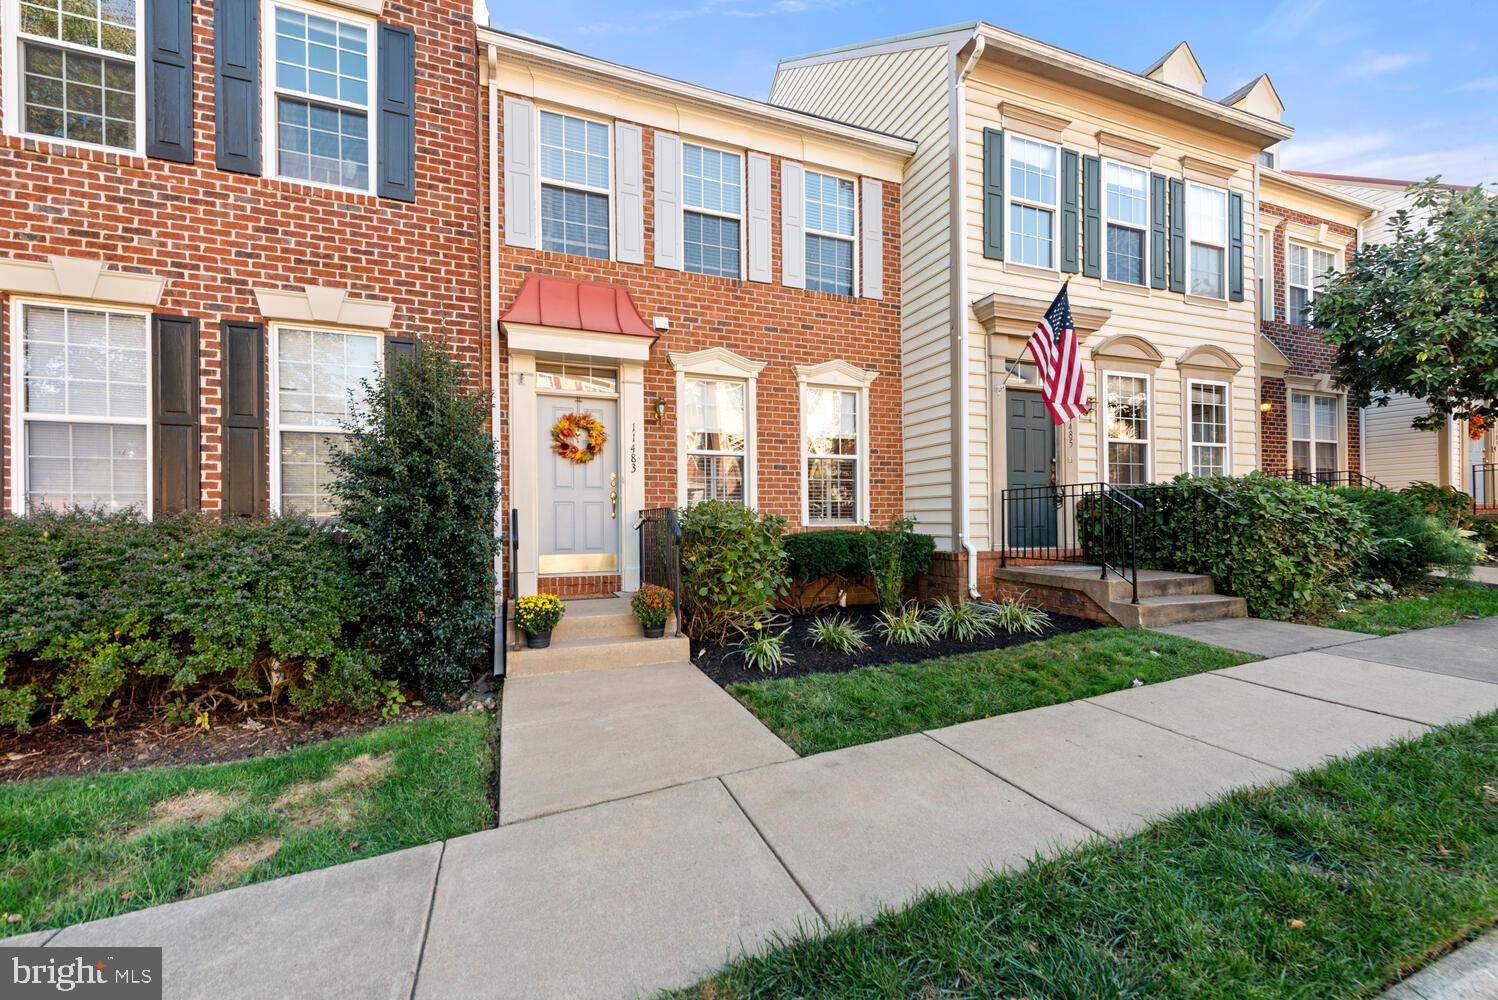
(397, 110)
(1069, 219)
(1092, 216)
(397, 348)
(993, 194)
(236, 85)
(169, 79)
(1235, 247)
(174, 412)
(1177, 234)
(1157, 231)
(244, 426)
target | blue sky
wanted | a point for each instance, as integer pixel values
(1389, 89)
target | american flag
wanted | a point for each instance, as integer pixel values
(1054, 347)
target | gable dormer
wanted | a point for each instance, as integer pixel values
(1179, 69)
(1258, 97)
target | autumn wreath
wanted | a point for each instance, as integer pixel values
(564, 437)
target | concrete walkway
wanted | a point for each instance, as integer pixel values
(1469, 973)
(657, 887)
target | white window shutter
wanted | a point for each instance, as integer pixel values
(629, 206)
(792, 224)
(667, 201)
(522, 225)
(759, 217)
(872, 263)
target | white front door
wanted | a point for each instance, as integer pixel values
(579, 502)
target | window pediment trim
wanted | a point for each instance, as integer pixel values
(716, 361)
(1127, 347)
(1125, 149)
(369, 8)
(1319, 237)
(1208, 357)
(1207, 171)
(1312, 383)
(79, 278)
(835, 373)
(1031, 123)
(324, 304)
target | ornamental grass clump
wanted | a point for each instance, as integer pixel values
(763, 649)
(1014, 615)
(538, 614)
(961, 620)
(837, 634)
(906, 627)
(651, 605)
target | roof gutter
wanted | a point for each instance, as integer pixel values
(961, 438)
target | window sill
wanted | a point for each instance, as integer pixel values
(1127, 287)
(80, 150)
(1014, 267)
(1210, 302)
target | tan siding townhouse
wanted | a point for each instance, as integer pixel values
(1037, 166)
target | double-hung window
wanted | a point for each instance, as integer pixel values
(574, 185)
(834, 462)
(1033, 193)
(1207, 230)
(84, 416)
(1209, 428)
(77, 73)
(829, 233)
(320, 98)
(716, 414)
(1127, 205)
(319, 376)
(1126, 420)
(712, 193)
(1315, 445)
(1308, 273)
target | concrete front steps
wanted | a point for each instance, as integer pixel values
(598, 634)
(1164, 598)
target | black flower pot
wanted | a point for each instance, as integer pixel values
(538, 641)
(655, 631)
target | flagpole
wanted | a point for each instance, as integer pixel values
(1021, 357)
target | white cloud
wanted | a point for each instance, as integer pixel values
(1371, 64)
(1338, 149)
(1377, 154)
(1483, 84)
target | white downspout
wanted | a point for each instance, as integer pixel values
(961, 430)
(493, 320)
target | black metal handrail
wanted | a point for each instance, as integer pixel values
(1077, 523)
(1211, 552)
(660, 553)
(512, 565)
(1484, 485)
(1333, 477)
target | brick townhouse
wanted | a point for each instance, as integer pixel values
(218, 218)
(715, 281)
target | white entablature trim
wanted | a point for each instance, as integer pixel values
(836, 372)
(322, 304)
(79, 278)
(716, 361)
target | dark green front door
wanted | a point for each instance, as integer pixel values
(1032, 445)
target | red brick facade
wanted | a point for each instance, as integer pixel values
(764, 322)
(1309, 354)
(215, 236)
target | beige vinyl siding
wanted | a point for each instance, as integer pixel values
(1172, 323)
(905, 92)
(1395, 453)
(1388, 197)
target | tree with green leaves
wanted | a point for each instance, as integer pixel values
(1419, 315)
(417, 490)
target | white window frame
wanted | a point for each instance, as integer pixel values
(271, 128)
(741, 217)
(722, 365)
(841, 376)
(1309, 288)
(1264, 272)
(19, 415)
(1227, 416)
(1149, 423)
(688, 453)
(1143, 230)
(276, 427)
(1010, 200)
(1192, 239)
(15, 75)
(852, 240)
(1339, 423)
(609, 191)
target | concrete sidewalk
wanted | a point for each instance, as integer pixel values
(656, 889)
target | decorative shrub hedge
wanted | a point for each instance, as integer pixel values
(845, 556)
(101, 612)
(733, 565)
(1406, 537)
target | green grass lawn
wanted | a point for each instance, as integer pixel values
(1420, 607)
(74, 849)
(820, 712)
(1324, 888)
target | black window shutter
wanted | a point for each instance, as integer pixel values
(236, 85)
(397, 110)
(993, 194)
(174, 412)
(1069, 217)
(397, 348)
(245, 463)
(1092, 216)
(1177, 234)
(169, 79)
(1235, 247)
(1158, 233)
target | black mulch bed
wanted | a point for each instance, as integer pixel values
(725, 664)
